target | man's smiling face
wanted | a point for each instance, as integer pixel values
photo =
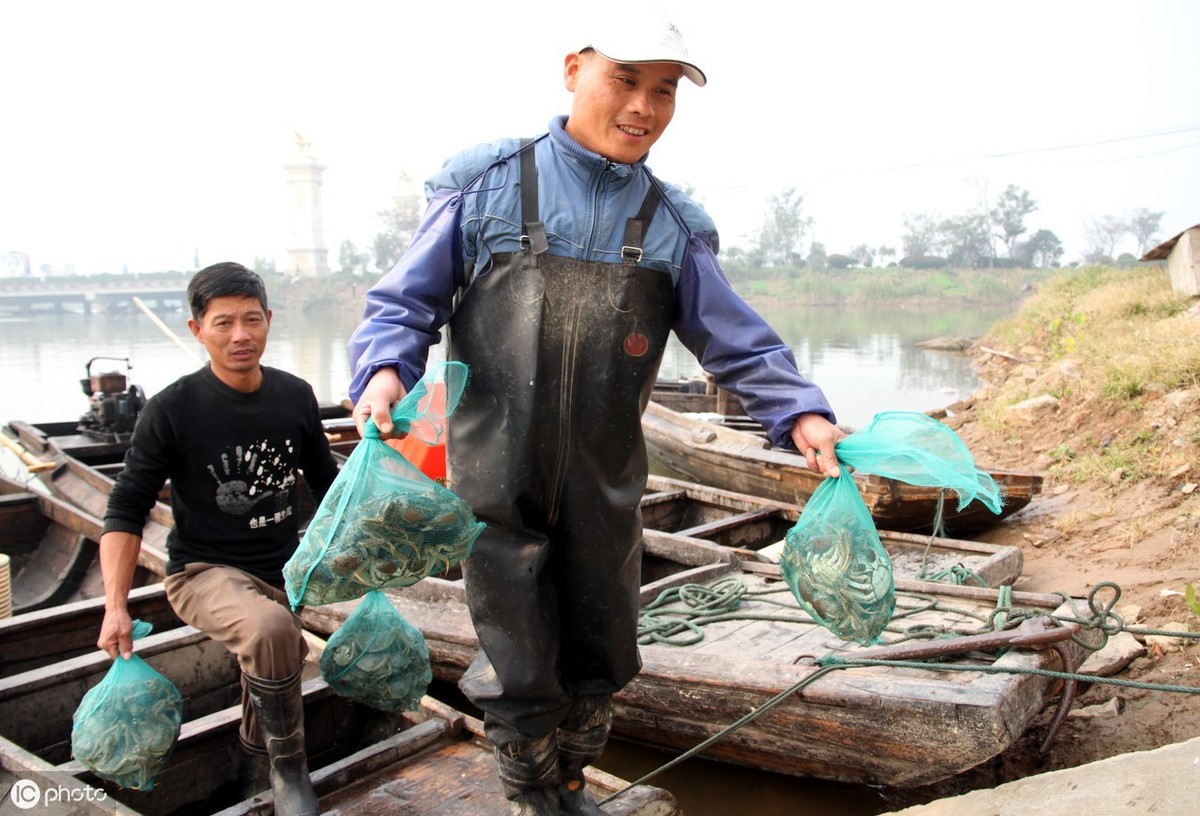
(619, 110)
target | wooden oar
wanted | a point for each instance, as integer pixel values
(165, 329)
(30, 461)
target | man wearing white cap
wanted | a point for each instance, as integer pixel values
(560, 265)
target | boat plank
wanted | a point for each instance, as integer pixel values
(53, 634)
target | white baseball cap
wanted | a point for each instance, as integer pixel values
(632, 40)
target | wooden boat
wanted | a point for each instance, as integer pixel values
(877, 725)
(754, 529)
(53, 550)
(362, 760)
(729, 458)
(48, 439)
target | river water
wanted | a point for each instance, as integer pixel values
(863, 357)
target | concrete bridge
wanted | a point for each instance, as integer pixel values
(107, 294)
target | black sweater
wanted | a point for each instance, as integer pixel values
(232, 459)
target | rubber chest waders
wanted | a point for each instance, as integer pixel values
(547, 449)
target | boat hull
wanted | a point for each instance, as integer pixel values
(735, 460)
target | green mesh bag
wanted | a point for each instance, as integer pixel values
(383, 522)
(377, 657)
(917, 449)
(126, 726)
(833, 560)
(836, 565)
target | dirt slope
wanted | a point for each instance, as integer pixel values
(1142, 534)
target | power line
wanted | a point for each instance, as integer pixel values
(1001, 155)
(1139, 156)
(1189, 129)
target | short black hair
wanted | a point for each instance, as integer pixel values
(221, 280)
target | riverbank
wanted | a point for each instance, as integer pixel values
(891, 285)
(1096, 383)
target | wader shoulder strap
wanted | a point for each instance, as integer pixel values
(638, 227)
(533, 235)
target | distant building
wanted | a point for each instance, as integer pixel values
(1182, 254)
(308, 256)
(15, 265)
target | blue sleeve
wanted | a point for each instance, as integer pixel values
(407, 306)
(736, 346)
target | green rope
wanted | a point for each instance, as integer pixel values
(705, 604)
(832, 661)
(720, 600)
(729, 729)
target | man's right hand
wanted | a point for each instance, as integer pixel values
(118, 562)
(383, 391)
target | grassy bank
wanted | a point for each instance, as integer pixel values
(1117, 353)
(892, 284)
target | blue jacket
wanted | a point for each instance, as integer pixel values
(475, 211)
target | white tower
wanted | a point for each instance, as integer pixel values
(307, 254)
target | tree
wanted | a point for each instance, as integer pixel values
(1009, 215)
(817, 259)
(863, 255)
(886, 252)
(1143, 224)
(349, 258)
(387, 250)
(784, 229)
(399, 225)
(967, 240)
(920, 235)
(1101, 235)
(1043, 249)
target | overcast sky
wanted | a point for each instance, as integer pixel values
(137, 132)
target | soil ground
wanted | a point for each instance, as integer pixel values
(1141, 535)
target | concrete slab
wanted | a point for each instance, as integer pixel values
(1165, 780)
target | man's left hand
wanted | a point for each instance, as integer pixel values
(815, 437)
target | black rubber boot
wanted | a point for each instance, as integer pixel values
(529, 773)
(279, 710)
(581, 740)
(254, 771)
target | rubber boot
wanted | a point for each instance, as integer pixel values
(279, 710)
(254, 771)
(581, 740)
(529, 773)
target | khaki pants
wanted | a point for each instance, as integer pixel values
(249, 617)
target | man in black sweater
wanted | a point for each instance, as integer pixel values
(232, 438)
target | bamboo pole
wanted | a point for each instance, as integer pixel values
(30, 461)
(165, 329)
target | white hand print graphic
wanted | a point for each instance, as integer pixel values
(247, 476)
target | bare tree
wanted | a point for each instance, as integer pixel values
(920, 235)
(782, 236)
(1143, 226)
(1102, 234)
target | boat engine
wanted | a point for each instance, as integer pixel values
(114, 405)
